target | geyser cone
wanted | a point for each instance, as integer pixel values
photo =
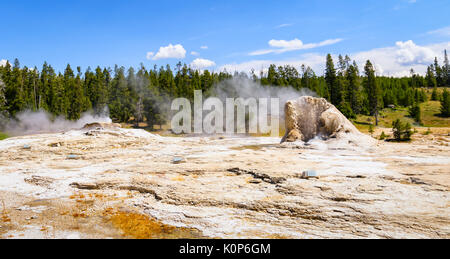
(308, 118)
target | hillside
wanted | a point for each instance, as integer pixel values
(430, 116)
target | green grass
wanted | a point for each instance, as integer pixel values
(387, 116)
(430, 117)
(3, 136)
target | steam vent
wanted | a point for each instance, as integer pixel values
(308, 118)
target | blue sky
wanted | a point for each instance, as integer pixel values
(233, 35)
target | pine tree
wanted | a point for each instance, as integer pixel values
(74, 94)
(14, 92)
(154, 105)
(446, 69)
(342, 65)
(207, 81)
(438, 73)
(120, 99)
(60, 102)
(309, 80)
(416, 113)
(342, 89)
(383, 136)
(401, 131)
(141, 94)
(354, 89)
(272, 75)
(435, 94)
(372, 89)
(3, 103)
(31, 89)
(430, 78)
(43, 89)
(445, 104)
(99, 93)
(331, 80)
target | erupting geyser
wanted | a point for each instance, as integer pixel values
(308, 118)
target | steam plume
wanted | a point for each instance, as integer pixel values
(29, 122)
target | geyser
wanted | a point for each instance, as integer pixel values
(308, 118)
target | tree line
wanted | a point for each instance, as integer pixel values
(134, 96)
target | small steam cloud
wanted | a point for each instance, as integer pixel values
(243, 87)
(29, 122)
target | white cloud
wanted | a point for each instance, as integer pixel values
(293, 44)
(170, 51)
(201, 63)
(441, 32)
(204, 47)
(409, 53)
(282, 46)
(394, 61)
(3, 62)
(284, 25)
(150, 55)
(313, 60)
(195, 53)
(399, 59)
(404, 4)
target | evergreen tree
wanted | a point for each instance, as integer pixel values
(60, 102)
(446, 69)
(167, 81)
(383, 136)
(445, 104)
(145, 95)
(430, 78)
(435, 94)
(342, 65)
(141, 94)
(74, 94)
(401, 131)
(272, 75)
(207, 81)
(372, 89)
(44, 89)
(343, 89)
(346, 109)
(354, 89)
(32, 83)
(99, 93)
(120, 99)
(331, 80)
(309, 80)
(438, 73)
(416, 113)
(14, 92)
(3, 104)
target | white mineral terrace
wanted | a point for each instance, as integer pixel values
(225, 187)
